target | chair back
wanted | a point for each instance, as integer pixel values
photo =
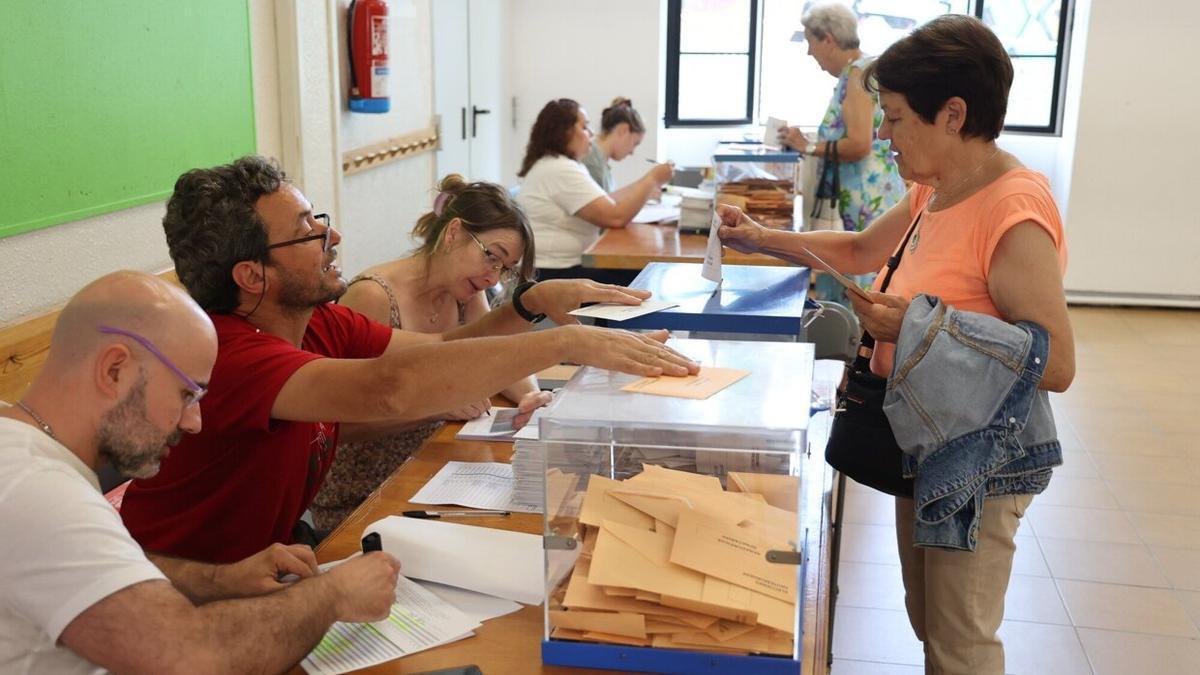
(835, 333)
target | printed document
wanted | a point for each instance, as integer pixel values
(479, 485)
(418, 620)
(772, 131)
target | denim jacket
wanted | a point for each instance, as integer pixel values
(964, 404)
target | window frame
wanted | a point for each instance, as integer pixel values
(753, 92)
(671, 118)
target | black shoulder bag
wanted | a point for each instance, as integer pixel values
(861, 443)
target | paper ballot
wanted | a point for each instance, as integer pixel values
(842, 279)
(496, 562)
(479, 485)
(418, 620)
(711, 269)
(772, 130)
(498, 426)
(618, 312)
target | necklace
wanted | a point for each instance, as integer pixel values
(37, 418)
(954, 189)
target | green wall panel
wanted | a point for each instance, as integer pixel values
(104, 103)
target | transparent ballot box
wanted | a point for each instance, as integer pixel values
(761, 181)
(673, 529)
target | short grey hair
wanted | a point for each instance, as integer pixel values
(832, 19)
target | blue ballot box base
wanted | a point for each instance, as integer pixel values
(652, 660)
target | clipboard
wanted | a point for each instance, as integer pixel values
(838, 276)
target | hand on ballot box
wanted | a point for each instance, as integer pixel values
(634, 353)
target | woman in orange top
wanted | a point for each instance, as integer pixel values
(989, 240)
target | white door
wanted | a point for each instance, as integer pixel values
(452, 85)
(468, 86)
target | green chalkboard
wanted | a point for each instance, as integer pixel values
(103, 104)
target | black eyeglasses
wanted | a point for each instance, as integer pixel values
(507, 274)
(324, 218)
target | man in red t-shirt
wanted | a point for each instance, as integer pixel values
(292, 368)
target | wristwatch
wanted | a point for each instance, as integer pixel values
(516, 302)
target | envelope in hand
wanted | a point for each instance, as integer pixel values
(600, 505)
(629, 557)
(733, 554)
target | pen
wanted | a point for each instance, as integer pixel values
(454, 514)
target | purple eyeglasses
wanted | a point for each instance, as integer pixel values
(197, 392)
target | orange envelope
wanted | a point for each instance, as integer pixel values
(780, 491)
(658, 626)
(733, 554)
(664, 475)
(702, 385)
(582, 595)
(769, 611)
(627, 556)
(665, 501)
(726, 630)
(615, 623)
(599, 505)
(569, 634)
(664, 641)
(758, 640)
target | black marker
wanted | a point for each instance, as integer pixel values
(372, 542)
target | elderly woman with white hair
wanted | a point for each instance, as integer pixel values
(869, 180)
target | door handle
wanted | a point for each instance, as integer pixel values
(464, 124)
(475, 113)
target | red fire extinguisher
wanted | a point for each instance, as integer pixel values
(367, 25)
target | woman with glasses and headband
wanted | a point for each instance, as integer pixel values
(474, 237)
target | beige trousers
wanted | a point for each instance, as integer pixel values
(955, 599)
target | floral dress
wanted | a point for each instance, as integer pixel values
(872, 184)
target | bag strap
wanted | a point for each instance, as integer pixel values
(866, 345)
(831, 149)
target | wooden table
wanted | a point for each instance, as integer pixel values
(512, 643)
(633, 246)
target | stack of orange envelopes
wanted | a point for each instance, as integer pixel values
(672, 559)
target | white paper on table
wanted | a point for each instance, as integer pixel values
(479, 485)
(617, 312)
(479, 607)
(418, 620)
(657, 213)
(498, 426)
(496, 562)
(711, 269)
(771, 132)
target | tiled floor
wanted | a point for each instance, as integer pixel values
(1107, 573)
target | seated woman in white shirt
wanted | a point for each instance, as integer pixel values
(621, 131)
(567, 209)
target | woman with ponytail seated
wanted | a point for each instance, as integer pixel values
(474, 238)
(621, 131)
(567, 208)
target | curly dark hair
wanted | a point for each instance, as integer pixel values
(952, 55)
(211, 225)
(551, 131)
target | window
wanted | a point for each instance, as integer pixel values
(711, 53)
(789, 84)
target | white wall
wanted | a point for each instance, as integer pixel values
(591, 51)
(1132, 223)
(42, 269)
(299, 119)
(378, 207)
